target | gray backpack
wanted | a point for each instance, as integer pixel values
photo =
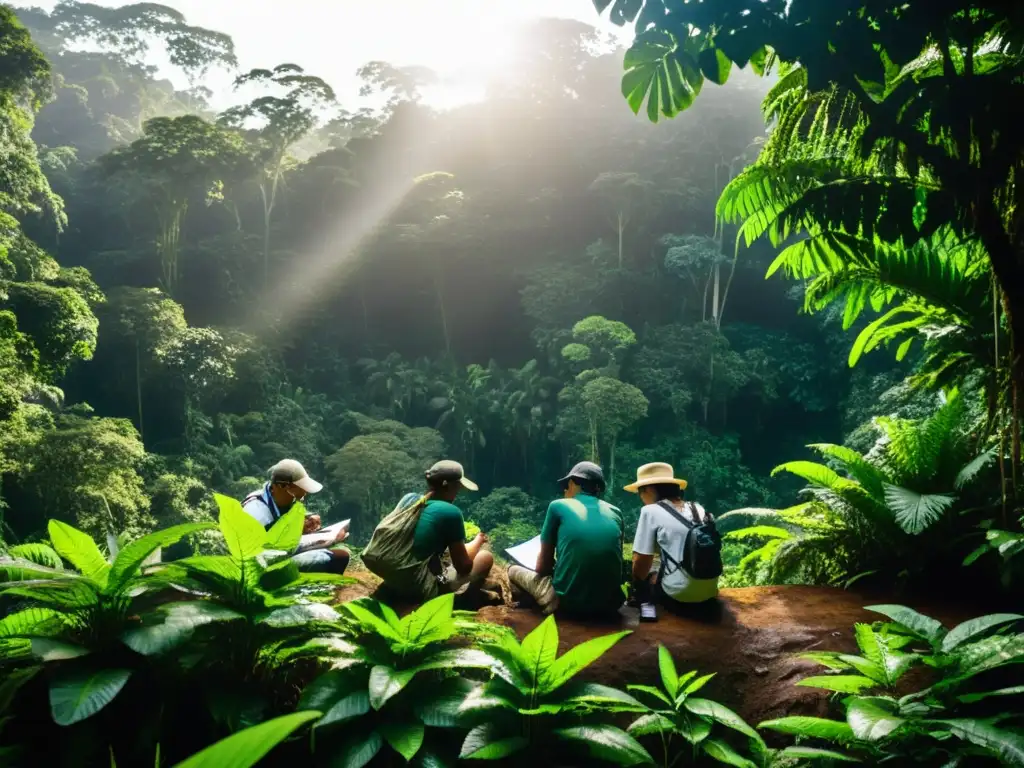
(389, 554)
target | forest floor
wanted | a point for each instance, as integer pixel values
(751, 644)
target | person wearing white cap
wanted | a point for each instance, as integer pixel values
(684, 534)
(290, 483)
(406, 547)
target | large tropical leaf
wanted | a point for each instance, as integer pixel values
(916, 511)
(969, 630)
(721, 714)
(539, 651)
(577, 658)
(246, 748)
(723, 753)
(130, 559)
(489, 742)
(815, 727)
(662, 71)
(923, 626)
(242, 533)
(1007, 745)
(284, 535)
(405, 738)
(79, 694)
(180, 621)
(358, 750)
(873, 717)
(839, 683)
(606, 743)
(817, 474)
(40, 554)
(431, 622)
(80, 550)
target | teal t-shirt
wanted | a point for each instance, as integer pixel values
(587, 534)
(439, 525)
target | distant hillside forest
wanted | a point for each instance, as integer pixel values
(520, 283)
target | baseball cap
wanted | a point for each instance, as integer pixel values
(290, 471)
(447, 468)
(585, 470)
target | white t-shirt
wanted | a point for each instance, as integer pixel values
(659, 530)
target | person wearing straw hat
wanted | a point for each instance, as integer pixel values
(682, 533)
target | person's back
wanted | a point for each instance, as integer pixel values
(657, 525)
(587, 534)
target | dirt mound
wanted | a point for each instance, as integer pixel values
(751, 644)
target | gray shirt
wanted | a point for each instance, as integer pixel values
(658, 531)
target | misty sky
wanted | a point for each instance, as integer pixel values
(461, 39)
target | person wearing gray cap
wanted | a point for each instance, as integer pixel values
(579, 568)
(290, 483)
(406, 547)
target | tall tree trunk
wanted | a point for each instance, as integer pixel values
(621, 226)
(439, 289)
(138, 388)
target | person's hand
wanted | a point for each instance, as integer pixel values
(481, 538)
(311, 524)
(342, 535)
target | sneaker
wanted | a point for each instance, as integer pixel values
(648, 612)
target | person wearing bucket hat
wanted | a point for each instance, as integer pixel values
(407, 545)
(684, 535)
(289, 484)
(579, 568)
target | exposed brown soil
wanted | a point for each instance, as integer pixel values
(751, 645)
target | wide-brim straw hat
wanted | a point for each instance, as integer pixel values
(656, 473)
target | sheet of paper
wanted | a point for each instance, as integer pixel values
(326, 536)
(526, 553)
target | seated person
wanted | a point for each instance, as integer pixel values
(579, 568)
(406, 547)
(664, 527)
(289, 484)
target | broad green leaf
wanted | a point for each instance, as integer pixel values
(1007, 745)
(242, 533)
(284, 535)
(969, 630)
(131, 558)
(300, 614)
(12, 682)
(759, 531)
(41, 554)
(985, 654)
(577, 658)
(386, 682)
(246, 748)
(650, 691)
(816, 727)
(923, 626)
(715, 66)
(80, 550)
(330, 687)
(866, 668)
(222, 570)
(970, 698)
(180, 621)
(816, 474)
(916, 511)
(486, 700)
(650, 724)
(721, 714)
(442, 708)
(31, 622)
(540, 648)
(405, 738)
(358, 751)
(828, 659)
(812, 753)
(345, 708)
(694, 729)
(52, 650)
(64, 594)
(723, 753)
(596, 695)
(431, 622)
(839, 683)
(80, 694)
(873, 717)
(606, 743)
(667, 667)
(488, 742)
(370, 621)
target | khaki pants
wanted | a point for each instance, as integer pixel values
(536, 586)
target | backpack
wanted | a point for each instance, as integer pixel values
(702, 548)
(389, 553)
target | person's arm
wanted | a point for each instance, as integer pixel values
(548, 540)
(645, 543)
(463, 554)
(454, 528)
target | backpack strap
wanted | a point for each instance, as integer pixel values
(671, 509)
(258, 496)
(665, 557)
